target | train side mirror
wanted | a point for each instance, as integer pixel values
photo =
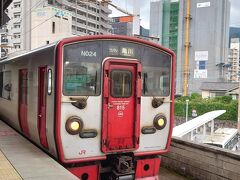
(8, 87)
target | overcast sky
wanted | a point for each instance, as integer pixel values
(145, 6)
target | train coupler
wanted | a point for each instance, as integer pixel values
(123, 168)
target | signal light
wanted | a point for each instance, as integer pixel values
(74, 125)
(159, 121)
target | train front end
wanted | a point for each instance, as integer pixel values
(114, 106)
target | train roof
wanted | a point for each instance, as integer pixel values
(30, 52)
(93, 37)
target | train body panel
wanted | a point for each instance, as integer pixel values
(151, 142)
(97, 103)
(10, 106)
(91, 116)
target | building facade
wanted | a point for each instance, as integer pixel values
(45, 31)
(156, 19)
(233, 60)
(122, 25)
(29, 19)
(88, 18)
(166, 12)
(208, 39)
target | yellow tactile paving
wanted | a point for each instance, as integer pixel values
(7, 171)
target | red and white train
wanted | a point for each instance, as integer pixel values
(101, 105)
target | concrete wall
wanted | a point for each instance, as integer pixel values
(202, 161)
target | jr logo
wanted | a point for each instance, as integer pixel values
(82, 152)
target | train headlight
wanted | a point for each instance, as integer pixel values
(74, 125)
(160, 121)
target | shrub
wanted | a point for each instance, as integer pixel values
(196, 96)
(203, 106)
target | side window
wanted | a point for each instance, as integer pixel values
(23, 85)
(5, 85)
(1, 84)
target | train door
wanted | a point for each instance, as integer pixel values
(42, 88)
(22, 101)
(121, 105)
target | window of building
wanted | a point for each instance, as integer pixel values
(81, 13)
(17, 4)
(91, 32)
(81, 21)
(92, 9)
(53, 27)
(70, 8)
(91, 25)
(16, 35)
(16, 25)
(17, 15)
(17, 46)
(91, 17)
(5, 85)
(81, 29)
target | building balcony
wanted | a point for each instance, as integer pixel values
(105, 25)
(17, 9)
(78, 7)
(84, 26)
(106, 9)
(16, 30)
(16, 1)
(17, 40)
(106, 18)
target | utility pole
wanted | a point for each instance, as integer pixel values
(188, 17)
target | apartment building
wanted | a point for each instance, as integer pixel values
(88, 18)
(233, 60)
(207, 46)
(29, 19)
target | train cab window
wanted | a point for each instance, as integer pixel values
(156, 82)
(121, 83)
(82, 67)
(156, 73)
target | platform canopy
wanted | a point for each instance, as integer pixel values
(189, 126)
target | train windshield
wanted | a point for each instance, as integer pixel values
(83, 62)
(81, 73)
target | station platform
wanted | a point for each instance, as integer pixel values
(20, 159)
